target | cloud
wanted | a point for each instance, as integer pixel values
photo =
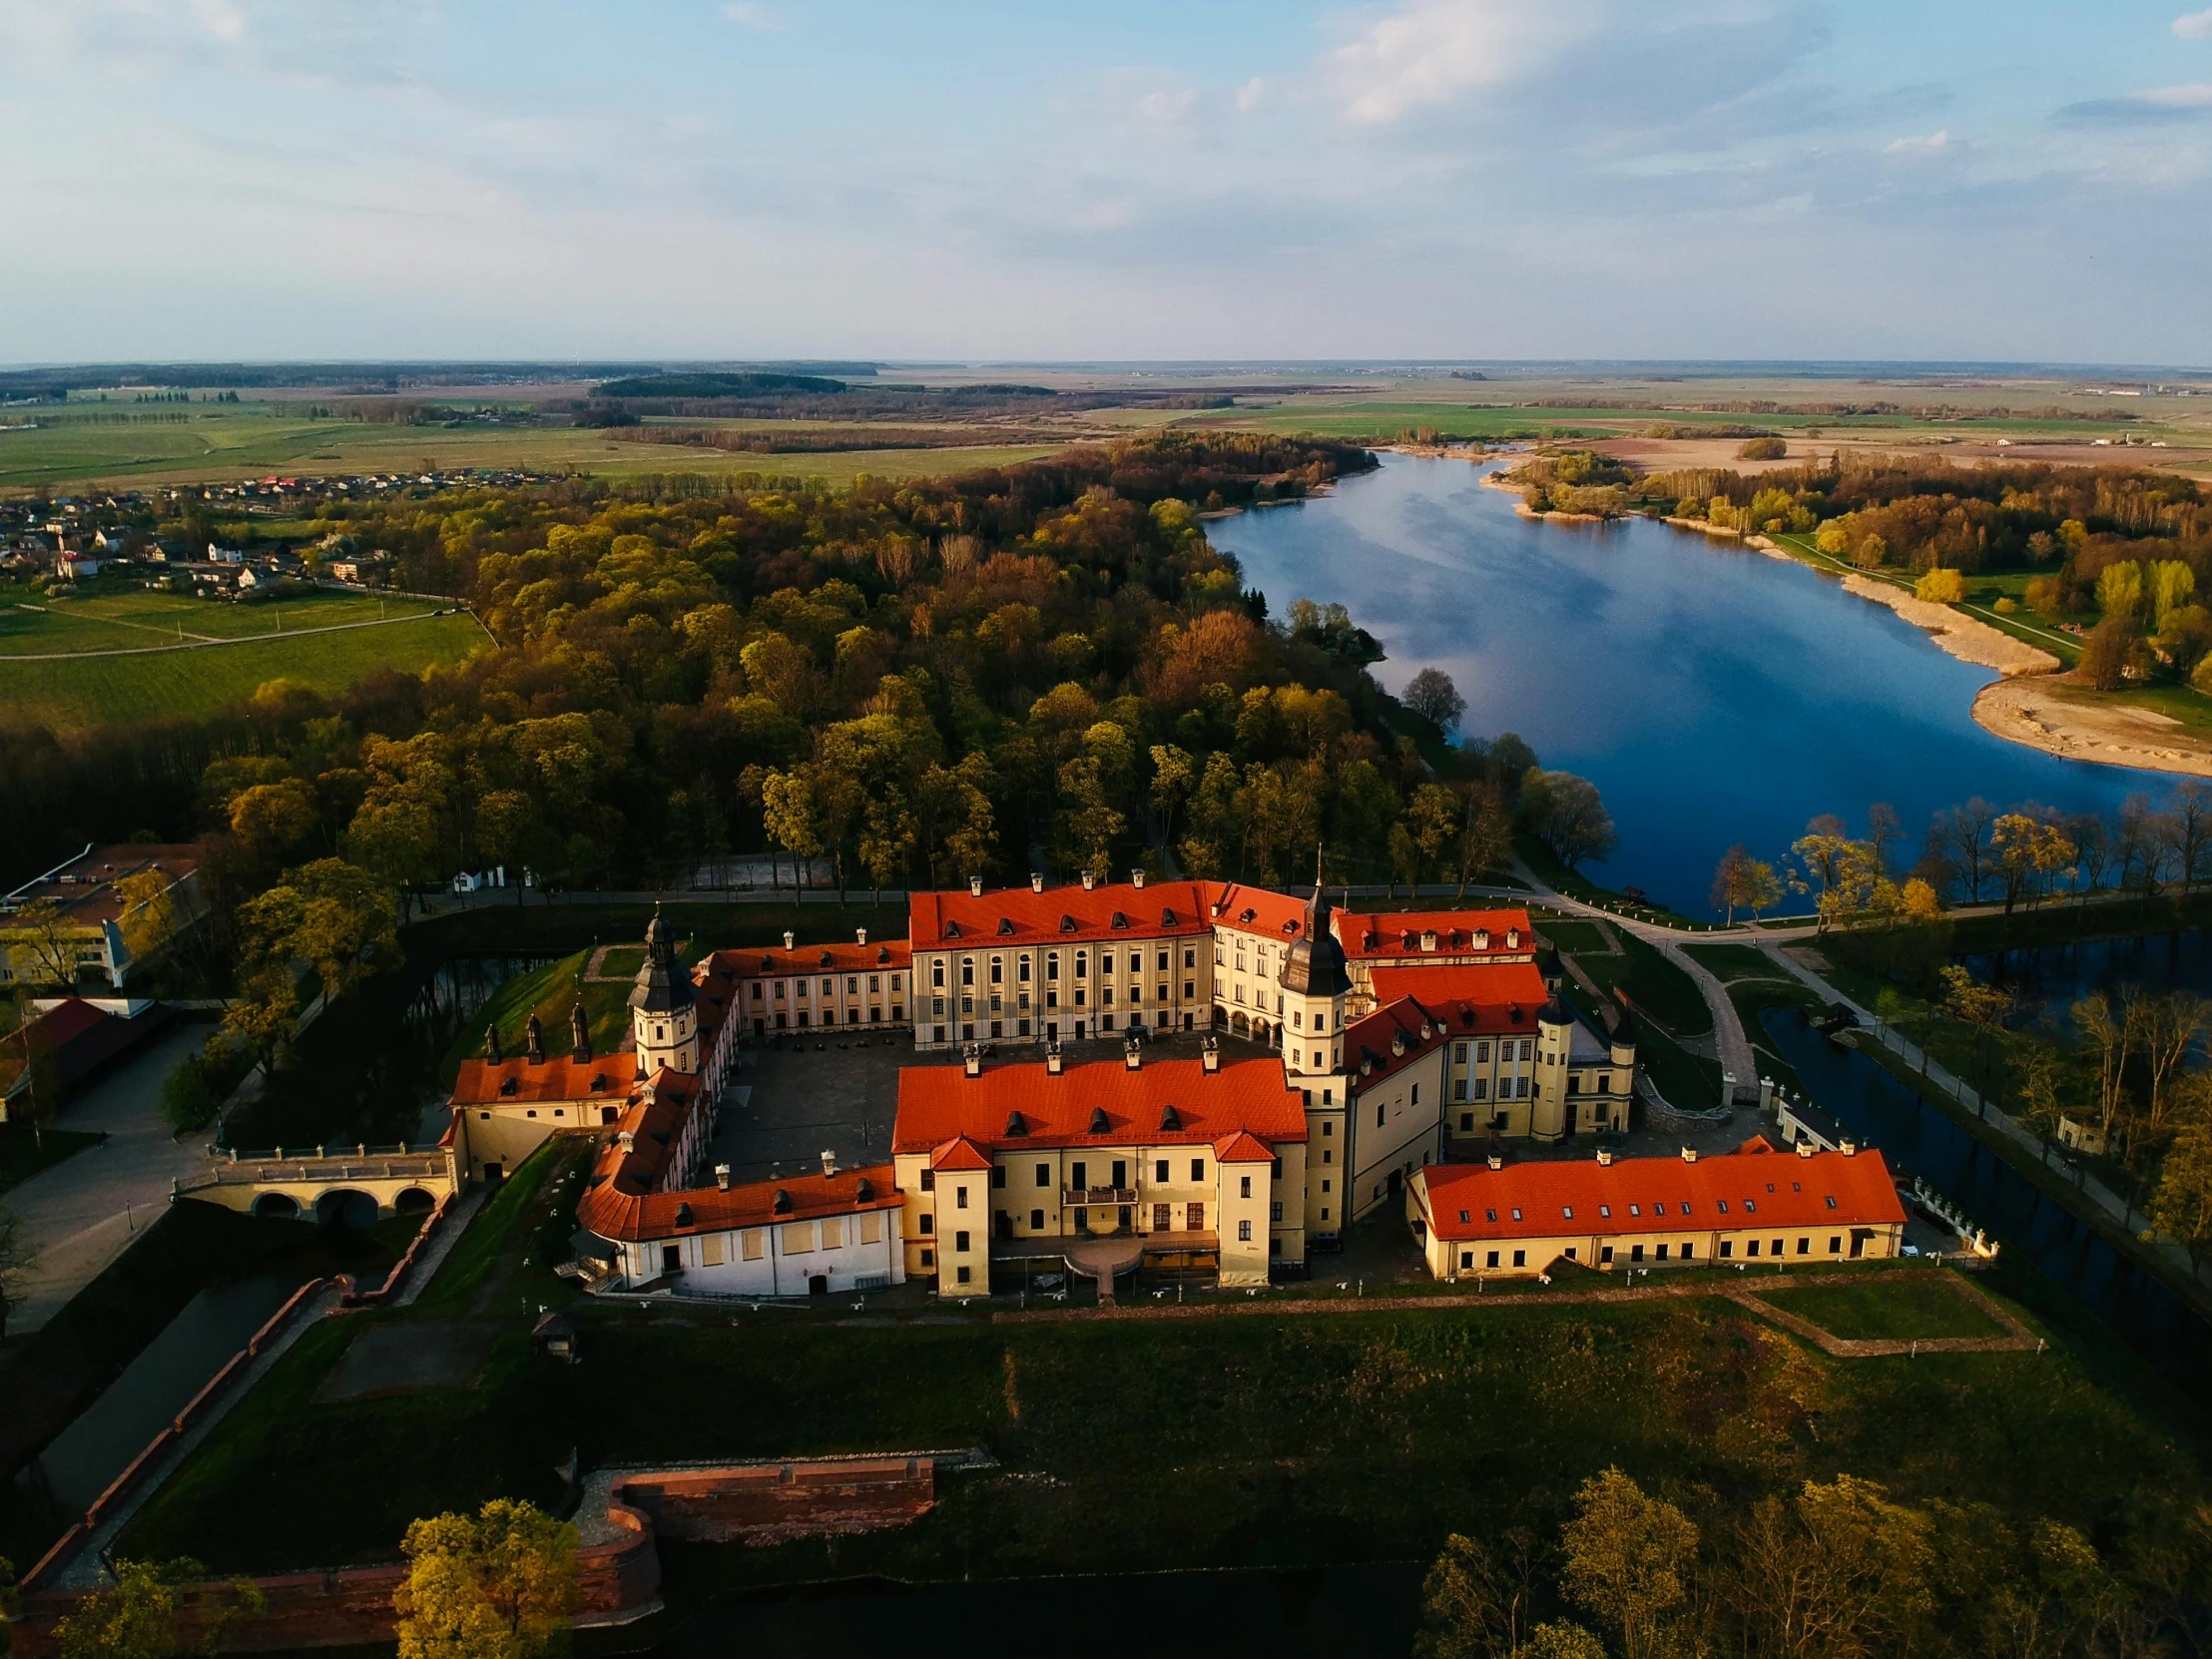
(1436, 51)
(2195, 26)
(2158, 105)
(747, 15)
(1250, 95)
(1934, 144)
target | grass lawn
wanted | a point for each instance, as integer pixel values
(1658, 987)
(1734, 961)
(1887, 1307)
(132, 618)
(1267, 1439)
(73, 694)
(1574, 937)
(477, 1257)
(549, 993)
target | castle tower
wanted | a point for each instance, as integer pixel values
(1315, 983)
(1547, 1109)
(664, 1013)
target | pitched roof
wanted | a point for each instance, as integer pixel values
(1491, 991)
(504, 1082)
(771, 961)
(959, 1153)
(938, 1103)
(1393, 1037)
(671, 1215)
(1368, 936)
(1648, 1194)
(1243, 1148)
(1058, 916)
(1255, 909)
(652, 1120)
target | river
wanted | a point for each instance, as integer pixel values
(1713, 694)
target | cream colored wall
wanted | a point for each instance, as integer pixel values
(876, 996)
(506, 1133)
(1326, 1171)
(1618, 1250)
(775, 1260)
(1407, 1136)
(1044, 1001)
(1244, 1262)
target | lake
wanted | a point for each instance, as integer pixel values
(1713, 694)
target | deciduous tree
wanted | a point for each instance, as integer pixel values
(1627, 1559)
(500, 1584)
(137, 1614)
(1432, 695)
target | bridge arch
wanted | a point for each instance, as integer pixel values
(281, 1205)
(414, 1201)
(346, 1206)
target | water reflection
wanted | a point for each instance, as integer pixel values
(1917, 1139)
(1715, 695)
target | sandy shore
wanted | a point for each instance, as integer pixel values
(1966, 638)
(2032, 712)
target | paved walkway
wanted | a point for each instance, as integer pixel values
(83, 1212)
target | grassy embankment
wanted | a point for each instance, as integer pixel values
(253, 442)
(1270, 1437)
(1666, 998)
(549, 993)
(1902, 1310)
(52, 1374)
(259, 643)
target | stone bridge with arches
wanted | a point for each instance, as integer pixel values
(352, 1186)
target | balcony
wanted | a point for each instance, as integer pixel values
(1098, 1195)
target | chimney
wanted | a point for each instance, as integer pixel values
(1495, 1159)
(1036, 881)
(1053, 1063)
(1806, 1149)
(1209, 1054)
(626, 1140)
(535, 1042)
(828, 1161)
(1689, 1154)
(859, 935)
(975, 886)
(579, 1030)
(722, 1177)
(791, 940)
(971, 1059)
(1136, 877)
(1847, 1147)
(491, 1044)
(1090, 879)
(1604, 1157)
(1132, 1054)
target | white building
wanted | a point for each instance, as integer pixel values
(809, 1234)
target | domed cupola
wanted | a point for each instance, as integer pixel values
(662, 1004)
(1314, 981)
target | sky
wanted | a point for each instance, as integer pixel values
(1031, 180)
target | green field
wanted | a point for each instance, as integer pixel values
(1730, 962)
(1270, 1439)
(133, 619)
(253, 442)
(70, 693)
(1899, 1308)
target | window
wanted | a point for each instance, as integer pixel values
(1805, 1246)
(1724, 1206)
(1832, 1203)
(1036, 1221)
(1044, 1175)
(1198, 1168)
(929, 1180)
(1689, 1252)
(965, 1273)
(1023, 975)
(1728, 1249)
(1835, 1245)
(1605, 1210)
(929, 1258)
(1243, 1185)
(1481, 1088)
(1274, 1210)
(1328, 1155)
(929, 1222)
(1752, 1248)
(1517, 1215)
(1325, 1185)
(998, 1176)
(1489, 1215)
(1520, 1257)
(1379, 1114)
(961, 1240)
(1567, 1211)
(936, 976)
(1467, 1258)
(1491, 1261)
(1417, 1094)
(1635, 1209)
(967, 970)
(959, 1196)
(1635, 1253)
(1750, 1206)
(1052, 964)
(1662, 1253)
(1460, 1053)
(1466, 1123)
(1243, 1232)
(1160, 1171)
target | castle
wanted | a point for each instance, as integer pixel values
(1364, 1049)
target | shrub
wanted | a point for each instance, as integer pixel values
(1942, 587)
(2005, 605)
(1761, 450)
(196, 1091)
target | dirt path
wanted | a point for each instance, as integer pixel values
(2033, 712)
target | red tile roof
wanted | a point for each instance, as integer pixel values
(1058, 916)
(672, 1215)
(604, 1077)
(1491, 991)
(1366, 936)
(876, 956)
(959, 1153)
(653, 1120)
(1369, 1051)
(1256, 909)
(938, 1103)
(1243, 1148)
(1762, 1190)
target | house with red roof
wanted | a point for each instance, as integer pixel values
(1200, 1162)
(1756, 1204)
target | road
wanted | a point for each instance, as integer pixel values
(80, 1215)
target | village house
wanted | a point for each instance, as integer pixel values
(104, 914)
(1756, 1204)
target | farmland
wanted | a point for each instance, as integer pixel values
(346, 644)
